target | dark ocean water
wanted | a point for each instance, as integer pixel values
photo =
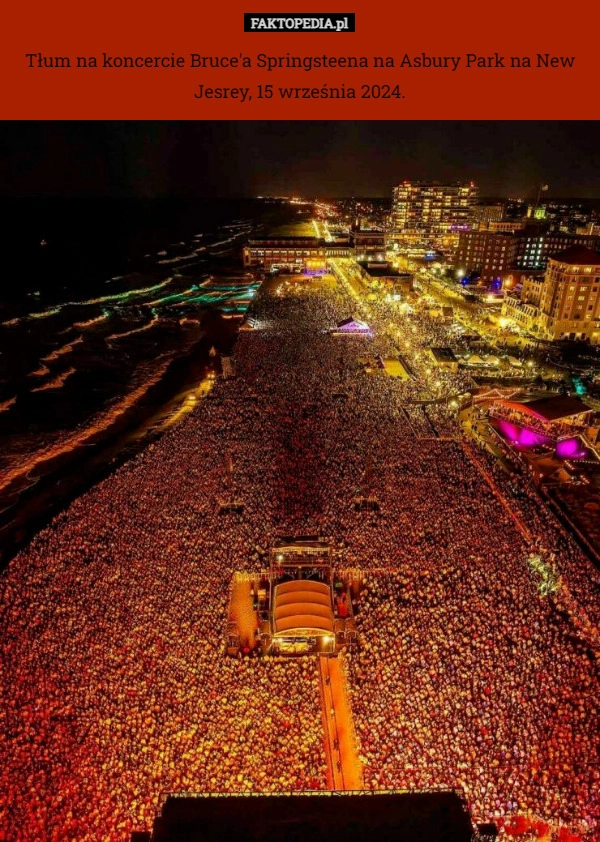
(48, 245)
(108, 310)
(93, 289)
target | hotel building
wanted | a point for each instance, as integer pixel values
(431, 208)
(570, 296)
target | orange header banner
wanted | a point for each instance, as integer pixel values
(352, 60)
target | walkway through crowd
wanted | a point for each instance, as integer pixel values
(344, 765)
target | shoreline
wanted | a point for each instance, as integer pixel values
(76, 471)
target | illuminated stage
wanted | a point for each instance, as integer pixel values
(299, 605)
(551, 424)
(352, 327)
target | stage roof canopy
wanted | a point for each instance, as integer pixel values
(551, 408)
(300, 543)
(302, 604)
(352, 325)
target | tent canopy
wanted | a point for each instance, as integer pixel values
(302, 604)
(550, 408)
(352, 325)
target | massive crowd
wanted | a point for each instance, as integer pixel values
(115, 686)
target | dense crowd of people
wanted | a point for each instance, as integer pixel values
(112, 621)
(466, 680)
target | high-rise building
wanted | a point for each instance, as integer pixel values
(570, 296)
(432, 208)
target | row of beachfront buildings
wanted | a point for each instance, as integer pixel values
(549, 277)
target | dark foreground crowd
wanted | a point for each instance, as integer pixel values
(115, 687)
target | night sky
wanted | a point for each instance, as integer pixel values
(328, 159)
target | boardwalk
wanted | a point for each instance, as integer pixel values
(344, 765)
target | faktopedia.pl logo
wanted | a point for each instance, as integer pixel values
(299, 22)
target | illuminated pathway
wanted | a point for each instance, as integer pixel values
(343, 763)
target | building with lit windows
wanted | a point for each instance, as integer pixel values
(570, 296)
(368, 244)
(533, 247)
(531, 290)
(488, 253)
(432, 208)
(289, 254)
(484, 214)
(498, 256)
(521, 313)
(339, 247)
(503, 226)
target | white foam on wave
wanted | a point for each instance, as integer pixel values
(116, 336)
(42, 371)
(7, 404)
(60, 352)
(178, 259)
(56, 382)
